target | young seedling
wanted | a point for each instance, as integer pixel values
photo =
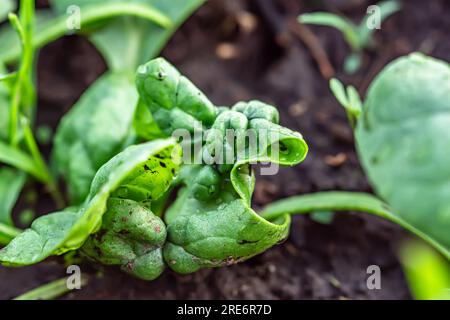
(358, 37)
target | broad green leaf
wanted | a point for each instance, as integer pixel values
(11, 184)
(428, 274)
(128, 42)
(144, 124)
(403, 141)
(219, 231)
(50, 27)
(125, 175)
(175, 103)
(348, 28)
(97, 127)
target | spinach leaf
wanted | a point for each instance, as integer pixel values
(136, 39)
(211, 223)
(125, 175)
(50, 27)
(11, 183)
(219, 231)
(97, 127)
(403, 141)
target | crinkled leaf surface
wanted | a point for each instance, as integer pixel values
(403, 139)
(64, 231)
(219, 231)
(211, 223)
(97, 127)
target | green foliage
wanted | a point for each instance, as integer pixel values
(124, 176)
(210, 224)
(427, 272)
(11, 183)
(48, 291)
(402, 138)
(97, 127)
(358, 37)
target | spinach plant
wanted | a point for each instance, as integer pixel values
(157, 124)
(358, 37)
(211, 223)
(145, 26)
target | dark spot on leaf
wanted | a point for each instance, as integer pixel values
(162, 164)
(247, 241)
(146, 168)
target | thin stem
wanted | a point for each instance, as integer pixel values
(48, 291)
(23, 91)
(344, 201)
(41, 164)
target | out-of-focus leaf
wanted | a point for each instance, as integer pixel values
(6, 6)
(403, 141)
(20, 160)
(348, 28)
(428, 274)
(49, 27)
(127, 42)
(97, 127)
(11, 183)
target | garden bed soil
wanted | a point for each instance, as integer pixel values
(240, 50)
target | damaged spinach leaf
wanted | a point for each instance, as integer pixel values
(124, 176)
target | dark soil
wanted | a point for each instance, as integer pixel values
(240, 50)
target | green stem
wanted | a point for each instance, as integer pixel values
(22, 90)
(344, 201)
(58, 26)
(7, 233)
(41, 164)
(48, 291)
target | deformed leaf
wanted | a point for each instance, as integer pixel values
(220, 231)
